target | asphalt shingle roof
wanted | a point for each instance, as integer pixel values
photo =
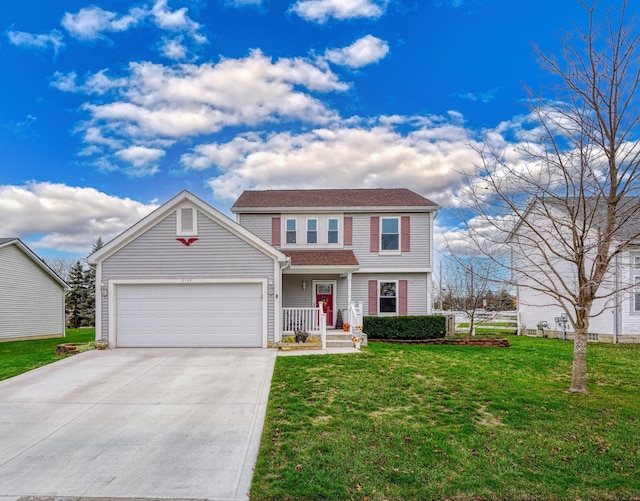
(375, 197)
(322, 257)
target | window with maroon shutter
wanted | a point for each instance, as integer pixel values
(375, 233)
(388, 297)
(403, 296)
(405, 234)
(373, 297)
(348, 230)
(275, 231)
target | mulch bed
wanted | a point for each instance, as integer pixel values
(493, 343)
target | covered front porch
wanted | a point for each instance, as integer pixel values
(317, 294)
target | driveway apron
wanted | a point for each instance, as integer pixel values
(137, 423)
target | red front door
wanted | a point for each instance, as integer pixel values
(324, 295)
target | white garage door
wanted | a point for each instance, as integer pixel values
(189, 315)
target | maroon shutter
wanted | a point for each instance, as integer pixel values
(275, 231)
(375, 233)
(348, 230)
(373, 297)
(405, 236)
(403, 294)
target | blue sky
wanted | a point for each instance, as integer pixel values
(110, 107)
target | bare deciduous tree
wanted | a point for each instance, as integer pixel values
(566, 198)
(466, 281)
(61, 265)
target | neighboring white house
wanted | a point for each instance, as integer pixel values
(187, 275)
(32, 296)
(616, 315)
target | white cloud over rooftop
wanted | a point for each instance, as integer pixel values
(67, 218)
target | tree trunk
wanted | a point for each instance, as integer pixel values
(579, 374)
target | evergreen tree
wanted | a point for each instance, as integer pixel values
(90, 284)
(76, 301)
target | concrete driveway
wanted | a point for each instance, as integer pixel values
(141, 423)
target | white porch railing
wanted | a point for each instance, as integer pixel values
(310, 320)
(355, 316)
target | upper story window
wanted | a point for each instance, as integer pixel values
(636, 262)
(389, 234)
(187, 221)
(291, 231)
(636, 296)
(312, 231)
(332, 231)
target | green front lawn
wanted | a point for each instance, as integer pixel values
(17, 357)
(449, 422)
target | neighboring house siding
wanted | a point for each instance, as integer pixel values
(31, 302)
(217, 254)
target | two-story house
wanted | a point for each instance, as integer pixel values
(543, 263)
(187, 275)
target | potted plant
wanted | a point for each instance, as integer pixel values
(356, 341)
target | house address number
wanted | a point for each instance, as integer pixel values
(186, 280)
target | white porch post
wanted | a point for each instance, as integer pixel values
(349, 280)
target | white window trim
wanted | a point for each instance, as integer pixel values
(322, 231)
(317, 232)
(389, 313)
(337, 230)
(391, 252)
(179, 226)
(287, 230)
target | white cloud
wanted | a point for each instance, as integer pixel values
(429, 158)
(176, 20)
(155, 102)
(65, 218)
(143, 160)
(366, 50)
(174, 48)
(321, 10)
(65, 82)
(91, 22)
(52, 40)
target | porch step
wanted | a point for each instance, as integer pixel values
(339, 339)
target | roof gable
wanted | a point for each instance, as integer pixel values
(172, 205)
(4, 242)
(396, 198)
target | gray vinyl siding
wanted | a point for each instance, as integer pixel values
(294, 297)
(217, 254)
(258, 224)
(417, 290)
(417, 284)
(31, 301)
(419, 257)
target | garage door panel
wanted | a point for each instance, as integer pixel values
(193, 315)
